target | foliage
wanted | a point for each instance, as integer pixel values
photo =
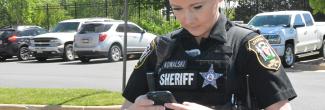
(318, 6)
(154, 22)
(248, 8)
(30, 12)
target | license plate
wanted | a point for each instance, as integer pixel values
(85, 40)
(39, 50)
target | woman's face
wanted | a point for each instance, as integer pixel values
(196, 16)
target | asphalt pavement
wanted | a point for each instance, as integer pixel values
(306, 64)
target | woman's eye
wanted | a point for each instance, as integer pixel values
(176, 9)
(198, 7)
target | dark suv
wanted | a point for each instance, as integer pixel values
(14, 41)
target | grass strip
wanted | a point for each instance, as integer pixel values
(44, 96)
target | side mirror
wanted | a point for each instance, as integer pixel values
(143, 31)
(298, 25)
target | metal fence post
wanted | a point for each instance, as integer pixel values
(47, 17)
(75, 9)
(106, 8)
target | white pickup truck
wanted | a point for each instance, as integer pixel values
(59, 42)
(292, 34)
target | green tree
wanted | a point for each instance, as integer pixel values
(318, 6)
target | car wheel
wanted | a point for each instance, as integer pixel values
(84, 59)
(68, 52)
(2, 58)
(23, 54)
(40, 59)
(322, 50)
(114, 53)
(289, 56)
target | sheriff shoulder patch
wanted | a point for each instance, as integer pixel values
(265, 54)
(150, 48)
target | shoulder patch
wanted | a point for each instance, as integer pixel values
(265, 54)
(150, 48)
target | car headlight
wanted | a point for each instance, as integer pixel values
(56, 42)
(273, 39)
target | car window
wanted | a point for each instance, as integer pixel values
(308, 19)
(131, 28)
(40, 31)
(33, 32)
(134, 29)
(67, 27)
(298, 20)
(120, 28)
(94, 28)
(28, 32)
(271, 20)
(6, 33)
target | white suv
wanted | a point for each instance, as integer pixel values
(105, 40)
(59, 42)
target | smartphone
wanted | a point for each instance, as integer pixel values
(161, 97)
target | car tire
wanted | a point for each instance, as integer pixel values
(41, 59)
(114, 53)
(2, 58)
(23, 54)
(68, 54)
(322, 50)
(84, 59)
(289, 57)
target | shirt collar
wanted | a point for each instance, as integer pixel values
(218, 32)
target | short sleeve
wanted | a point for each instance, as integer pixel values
(268, 80)
(137, 83)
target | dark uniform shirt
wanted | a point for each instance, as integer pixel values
(199, 72)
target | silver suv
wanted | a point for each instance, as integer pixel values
(105, 40)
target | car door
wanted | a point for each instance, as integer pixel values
(131, 37)
(141, 39)
(300, 28)
(311, 32)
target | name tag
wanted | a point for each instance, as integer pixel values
(178, 64)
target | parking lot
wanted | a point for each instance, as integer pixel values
(100, 74)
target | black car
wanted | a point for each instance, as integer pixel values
(14, 41)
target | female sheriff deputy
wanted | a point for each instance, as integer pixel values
(210, 63)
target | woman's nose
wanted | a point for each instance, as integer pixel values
(188, 18)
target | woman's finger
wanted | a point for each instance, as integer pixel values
(176, 106)
(143, 101)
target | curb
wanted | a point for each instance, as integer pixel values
(310, 67)
(55, 107)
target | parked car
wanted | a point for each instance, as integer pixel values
(105, 40)
(291, 33)
(14, 41)
(59, 42)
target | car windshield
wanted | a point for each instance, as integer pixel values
(94, 28)
(66, 27)
(270, 20)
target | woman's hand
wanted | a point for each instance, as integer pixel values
(186, 106)
(143, 103)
